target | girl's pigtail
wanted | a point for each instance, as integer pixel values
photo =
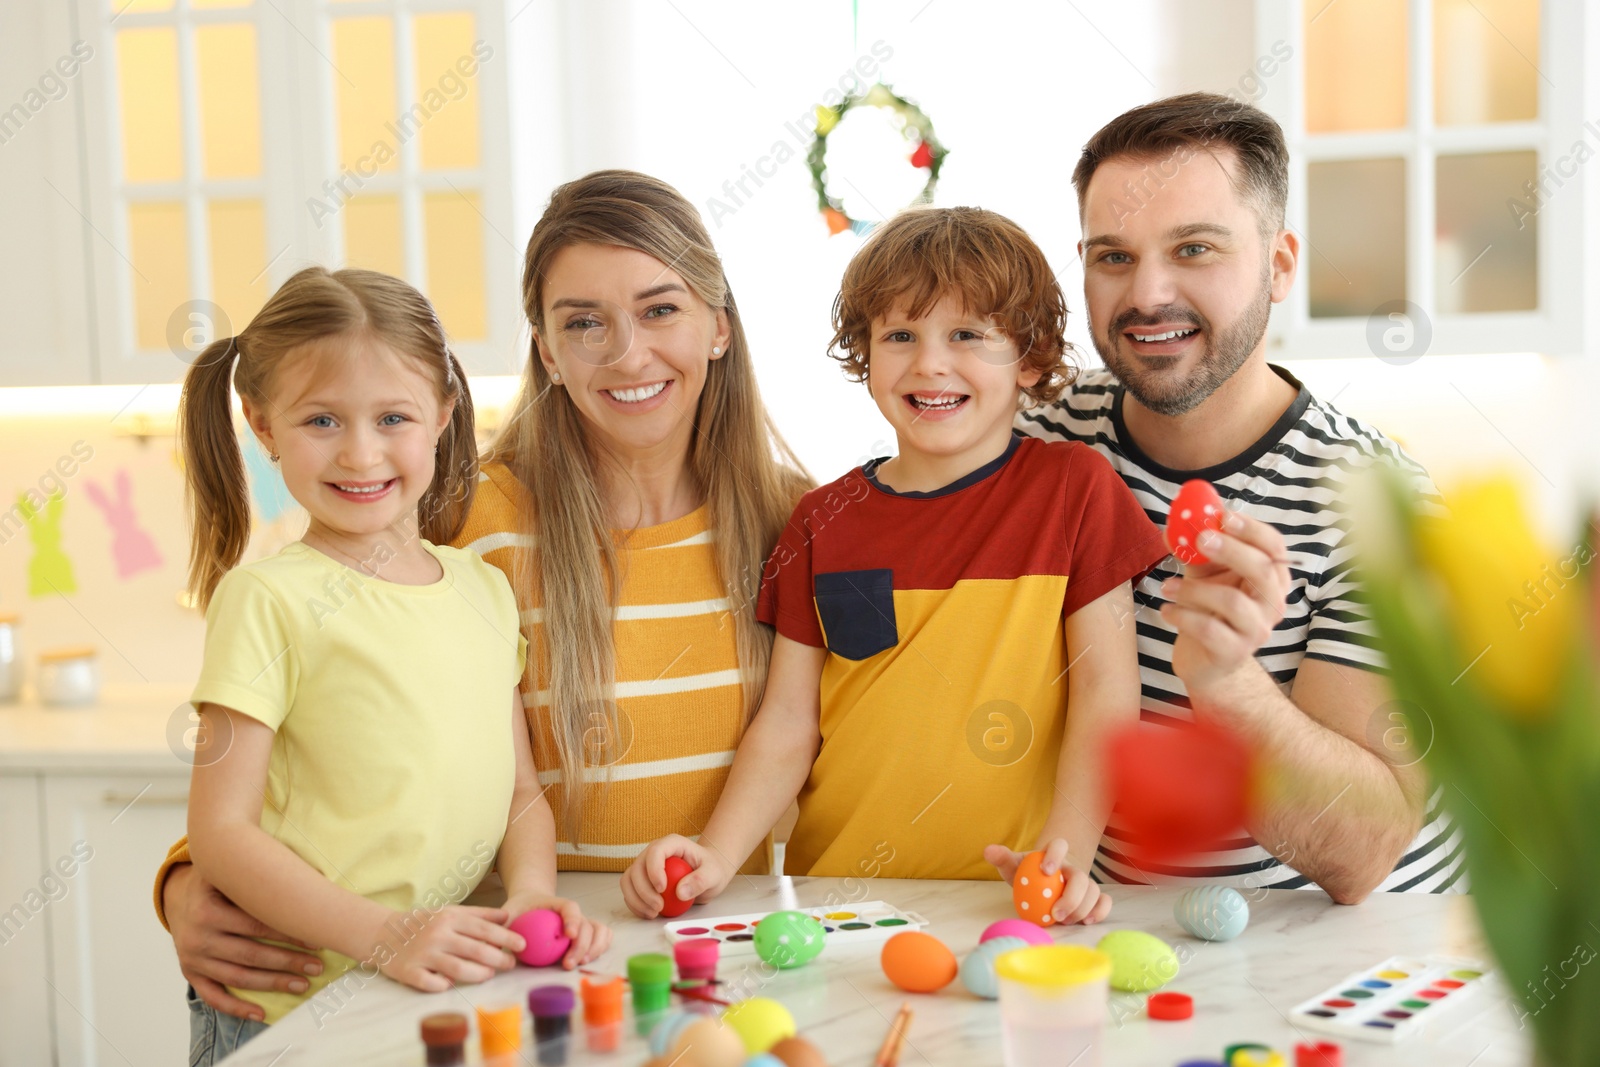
(217, 492)
(455, 471)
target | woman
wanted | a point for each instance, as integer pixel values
(632, 498)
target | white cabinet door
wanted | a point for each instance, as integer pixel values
(117, 994)
(44, 278)
(26, 894)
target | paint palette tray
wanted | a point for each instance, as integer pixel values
(868, 922)
(1394, 1000)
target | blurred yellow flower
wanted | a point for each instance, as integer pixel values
(1509, 598)
(827, 119)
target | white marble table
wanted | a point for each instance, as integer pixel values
(1297, 944)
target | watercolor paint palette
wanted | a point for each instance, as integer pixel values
(847, 924)
(1394, 1000)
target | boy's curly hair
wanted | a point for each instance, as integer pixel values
(925, 253)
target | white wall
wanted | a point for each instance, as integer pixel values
(696, 90)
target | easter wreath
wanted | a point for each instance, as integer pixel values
(927, 152)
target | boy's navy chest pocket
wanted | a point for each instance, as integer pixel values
(857, 612)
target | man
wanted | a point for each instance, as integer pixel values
(1184, 252)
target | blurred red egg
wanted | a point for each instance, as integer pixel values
(1178, 788)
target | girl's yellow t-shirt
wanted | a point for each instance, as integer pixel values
(392, 766)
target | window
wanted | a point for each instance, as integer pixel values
(240, 140)
(1432, 159)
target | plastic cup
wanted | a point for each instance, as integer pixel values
(1052, 1005)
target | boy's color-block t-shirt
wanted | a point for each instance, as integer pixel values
(392, 767)
(944, 694)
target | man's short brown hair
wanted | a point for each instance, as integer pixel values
(924, 254)
(1173, 129)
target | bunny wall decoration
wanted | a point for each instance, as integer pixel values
(271, 496)
(131, 547)
(49, 571)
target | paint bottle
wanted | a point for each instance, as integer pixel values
(551, 1008)
(697, 959)
(602, 1014)
(650, 976)
(500, 1033)
(445, 1036)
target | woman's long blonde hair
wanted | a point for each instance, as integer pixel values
(315, 305)
(748, 477)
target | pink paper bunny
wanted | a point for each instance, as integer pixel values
(131, 547)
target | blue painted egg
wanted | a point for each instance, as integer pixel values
(667, 1030)
(977, 970)
(1212, 913)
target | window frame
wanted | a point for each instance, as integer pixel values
(299, 152)
(1555, 327)
(495, 353)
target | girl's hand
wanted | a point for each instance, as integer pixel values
(217, 946)
(644, 882)
(458, 945)
(590, 939)
(1081, 900)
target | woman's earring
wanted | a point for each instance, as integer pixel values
(555, 376)
(716, 350)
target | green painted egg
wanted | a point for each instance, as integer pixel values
(788, 939)
(1140, 962)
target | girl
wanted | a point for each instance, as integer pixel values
(632, 497)
(363, 755)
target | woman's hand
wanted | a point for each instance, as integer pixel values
(459, 945)
(590, 939)
(645, 880)
(1081, 900)
(217, 946)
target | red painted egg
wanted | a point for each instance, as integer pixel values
(677, 869)
(1196, 507)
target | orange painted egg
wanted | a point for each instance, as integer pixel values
(798, 1052)
(918, 962)
(1034, 892)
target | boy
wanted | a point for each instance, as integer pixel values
(928, 606)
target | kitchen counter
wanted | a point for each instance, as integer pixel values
(126, 730)
(1297, 945)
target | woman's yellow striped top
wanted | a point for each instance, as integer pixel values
(679, 696)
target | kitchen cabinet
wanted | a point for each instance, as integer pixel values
(24, 948)
(45, 297)
(89, 801)
(118, 995)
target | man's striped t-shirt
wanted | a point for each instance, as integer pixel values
(1294, 478)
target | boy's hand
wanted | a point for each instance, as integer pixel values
(589, 938)
(459, 945)
(646, 879)
(1081, 899)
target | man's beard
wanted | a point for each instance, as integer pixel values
(1223, 354)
